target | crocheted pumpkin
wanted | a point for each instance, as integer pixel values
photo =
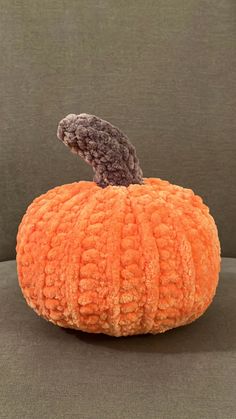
(121, 255)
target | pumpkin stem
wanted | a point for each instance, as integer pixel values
(104, 147)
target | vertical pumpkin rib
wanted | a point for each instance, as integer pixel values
(140, 199)
(174, 238)
(117, 199)
(133, 291)
(201, 237)
(75, 252)
(74, 210)
(141, 265)
(187, 272)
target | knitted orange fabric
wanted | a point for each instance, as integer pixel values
(119, 260)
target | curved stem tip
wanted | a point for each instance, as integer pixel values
(104, 147)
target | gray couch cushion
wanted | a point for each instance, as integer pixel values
(163, 71)
(49, 372)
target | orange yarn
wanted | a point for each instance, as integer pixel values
(120, 260)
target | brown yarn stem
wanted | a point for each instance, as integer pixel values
(104, 147)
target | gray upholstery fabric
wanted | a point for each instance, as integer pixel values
(163, 71)
(50, 372)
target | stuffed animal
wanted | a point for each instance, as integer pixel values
(122, 254)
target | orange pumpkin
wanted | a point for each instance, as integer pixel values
(121, 255)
